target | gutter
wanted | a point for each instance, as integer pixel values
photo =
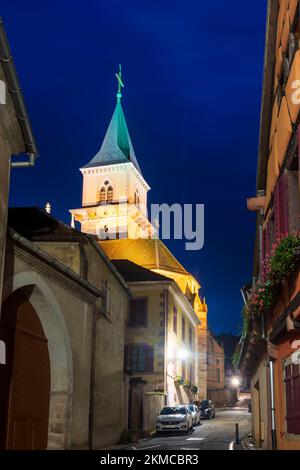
(14, 89)
(53, 262)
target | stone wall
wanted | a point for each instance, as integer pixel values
(86, 342)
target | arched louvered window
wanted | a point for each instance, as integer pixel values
(110, 194)
(136, 197)
(102, 195)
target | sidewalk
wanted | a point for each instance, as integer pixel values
(245, 444)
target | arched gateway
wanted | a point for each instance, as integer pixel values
(25, 380)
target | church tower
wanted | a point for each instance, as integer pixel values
(114, 198)
(114, 207)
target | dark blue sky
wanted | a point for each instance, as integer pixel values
(193, 77)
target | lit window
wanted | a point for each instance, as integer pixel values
(110, 194)
(102, 195)
(175, 320)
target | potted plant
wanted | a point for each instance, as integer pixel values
(187, 384)
(179, 380)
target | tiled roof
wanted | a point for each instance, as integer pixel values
(149, 253)
(132, 272)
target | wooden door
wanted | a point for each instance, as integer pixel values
(25, 380)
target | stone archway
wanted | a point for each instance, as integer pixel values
(53, 323)
(25, 379)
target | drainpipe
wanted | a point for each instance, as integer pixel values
(273, 421)
(166, 308)
(15, 91)
(25, 164)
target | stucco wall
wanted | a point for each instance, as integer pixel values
(93, 401)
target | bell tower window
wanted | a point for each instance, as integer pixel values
(110, 194)
(136, 197)
(102, 195)
(106, 193)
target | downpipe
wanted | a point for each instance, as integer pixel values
(273, 420)
(25, 164)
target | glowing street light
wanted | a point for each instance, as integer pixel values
(235, 382)
(182, 354)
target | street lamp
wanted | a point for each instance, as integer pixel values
(182, 354)
(235, 382)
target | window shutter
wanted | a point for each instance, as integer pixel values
(263, 254)
(281, 207)
(296, 398)
(268, 238)
(292, 394)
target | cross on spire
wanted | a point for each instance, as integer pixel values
(120, 83)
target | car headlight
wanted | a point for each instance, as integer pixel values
(206, 410)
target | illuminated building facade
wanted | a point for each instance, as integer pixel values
(113, 208)
(270, 346)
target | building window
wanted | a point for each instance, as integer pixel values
(292, 396)
(139, 357)
(183, 369)
(175, 319)
(191, 338)
(218, 375)
(138, 312)
(110, 194)
(183, 329)
(136, 197)
(106, 193)
(192, 379)
(102, 195)
(106, 288)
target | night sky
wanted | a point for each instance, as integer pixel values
(193, 77)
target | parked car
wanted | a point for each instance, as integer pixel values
(207, 409)
(195, 413)
(174, 418)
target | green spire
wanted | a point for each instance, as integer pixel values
(116, 146)
(120, 83)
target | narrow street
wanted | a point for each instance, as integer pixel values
(213, 434)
